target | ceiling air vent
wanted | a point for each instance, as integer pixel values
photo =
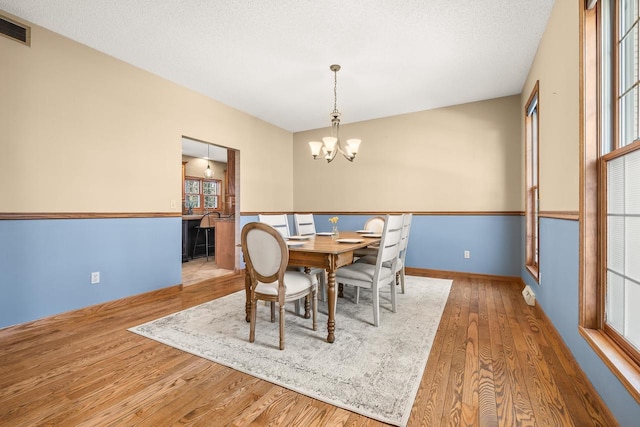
(15, 31)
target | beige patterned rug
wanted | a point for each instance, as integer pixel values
(371, 371)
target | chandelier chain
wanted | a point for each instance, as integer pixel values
(335, 92)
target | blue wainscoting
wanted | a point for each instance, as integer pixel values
(557, 295)
(46, 265)
(438, 241)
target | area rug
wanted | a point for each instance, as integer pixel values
(372, 371)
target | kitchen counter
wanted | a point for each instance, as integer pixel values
(194, 217)
(191, 217)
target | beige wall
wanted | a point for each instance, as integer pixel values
(196, 167)
(556, 66)
(83, 132)
(460, 158)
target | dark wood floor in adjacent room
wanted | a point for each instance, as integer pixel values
(495, 361)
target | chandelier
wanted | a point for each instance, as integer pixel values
(330, 145)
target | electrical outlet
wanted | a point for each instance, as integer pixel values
(173, 204)
(95, 277)
(467, 254)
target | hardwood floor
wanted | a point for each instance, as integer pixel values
(199, 269)
(495, 362)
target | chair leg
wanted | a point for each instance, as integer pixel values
(212, 238)
(307, 307)
(393, 297)
(402, 280)
(322, 285)
(273, 311)
(357, 295)
(282, 327)
(252, 326)
(376, 306)
(206, 243)
(195, 244)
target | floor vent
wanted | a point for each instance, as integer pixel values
(15, 31)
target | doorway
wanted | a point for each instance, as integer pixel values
(210, 173)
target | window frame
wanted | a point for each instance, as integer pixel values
(532, 182)
(196, 194)
(215, 194)
(201, 207)
(615, 336)
(593, 203)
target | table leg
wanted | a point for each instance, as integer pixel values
(247, 305)
(307, 299)
(331, 293)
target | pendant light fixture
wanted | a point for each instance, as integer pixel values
(330, 145)
(208, 172)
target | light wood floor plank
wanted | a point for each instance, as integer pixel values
(494, 362)
(506, 412)
(487, 398)
(429, 406)
(522, 404)
(453, 397)
(471, 374)
(539, 385)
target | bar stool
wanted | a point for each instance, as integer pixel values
(208, 225)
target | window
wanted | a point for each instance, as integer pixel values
(192, 193)
(622, 258)
(610, 190)
(532, 187)
(211, 192)
(620, 178)
(201, 195)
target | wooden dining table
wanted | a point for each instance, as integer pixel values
(322, 252)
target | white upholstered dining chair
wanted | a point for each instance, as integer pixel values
(278, 221)
(305, 225)
(382, 273)
(375, 225)
(266, 256)
(404, 243)
(281, 223)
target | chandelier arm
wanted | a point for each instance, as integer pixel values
(348, 156)
(324, 154)
(330, 157)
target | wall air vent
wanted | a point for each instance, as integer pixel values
(15, 31)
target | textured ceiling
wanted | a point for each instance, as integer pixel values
(270, 58)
